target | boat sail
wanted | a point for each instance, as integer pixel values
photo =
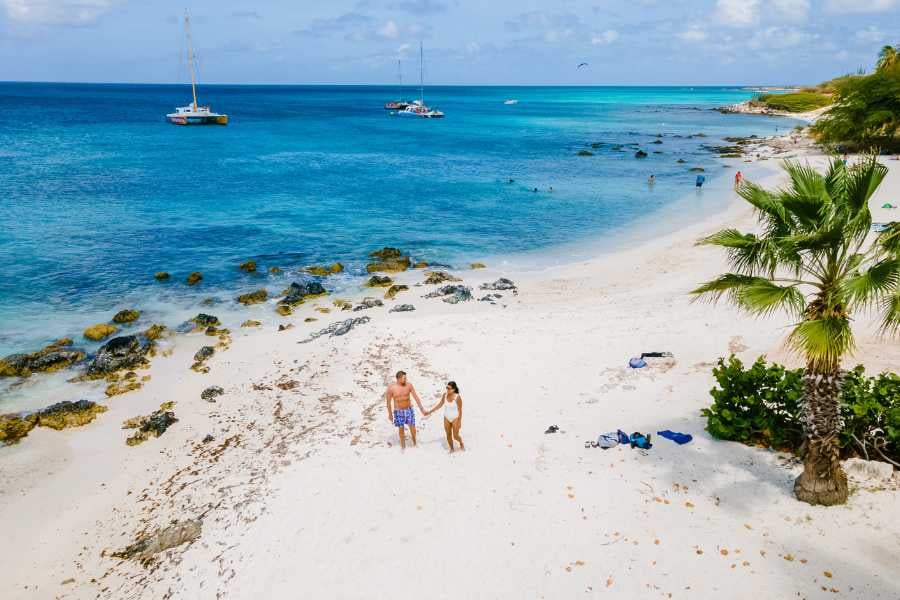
(418, 108)
(194, 113)
(398, 104)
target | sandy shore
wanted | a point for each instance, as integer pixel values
(303, 492)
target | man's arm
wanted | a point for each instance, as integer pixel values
(388, 398)
(415, 395)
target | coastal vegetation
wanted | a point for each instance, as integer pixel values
(812, 261)
(793, 102)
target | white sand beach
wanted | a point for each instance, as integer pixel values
(304, 491)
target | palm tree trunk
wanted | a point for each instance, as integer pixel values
(823, 481)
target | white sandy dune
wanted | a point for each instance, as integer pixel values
(304, 492)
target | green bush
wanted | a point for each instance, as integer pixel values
(795, 102)
(761, 406)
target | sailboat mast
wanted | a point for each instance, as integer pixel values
(421, 74)
(187, 31)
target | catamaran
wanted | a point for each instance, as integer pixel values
(194, 113)
(398, 104)
(418, 108)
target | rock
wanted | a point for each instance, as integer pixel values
(150, 426)
(367, 303)
(310, 319)
(437, 277)
(871, 470)
(392, 265)
(202, 321)
(126, 316)
(336, 329)
(501, 284)
(275, 270)
(283, 309)
(656, 142)
(49, 359)
(681, 161)
(204, 353)
(403, 308)
(585, 153)
(697, 169)
(489, 298)
(420, 265)
(251, 323)
(452, 294)
(640, 154)
(162, 276)
(100, 331)
(394, 290)
(326, 270)
(379, 281)
(194, 278)
(117, 388)
(386, 253)
(323, 310)
(211, 393)
(208, 438)
(155, 331)
(342, 304)
(285, 327)
(68, 414)
(176, 534)
(248, 266)
(477, 265)
(14, 427)
(256, 297)
(125, 352)
(210, 301)
(298, 292)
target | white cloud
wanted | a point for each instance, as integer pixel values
(737, 13)
(389, 30)
(870, 35)
(791, 10)
(779, 38)
(859, 6)
(558, 35)
(57, 12)
(604, 37)
(693, 34)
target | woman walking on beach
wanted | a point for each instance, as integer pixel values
(452, 403)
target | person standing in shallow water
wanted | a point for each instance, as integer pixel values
(452, 403)
(401, 414)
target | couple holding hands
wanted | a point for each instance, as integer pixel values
(400, 411)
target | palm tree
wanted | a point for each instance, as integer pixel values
(888, 57)
(812, 259)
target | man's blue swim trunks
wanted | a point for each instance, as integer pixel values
(404, 416)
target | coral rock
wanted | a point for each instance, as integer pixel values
(68, 414)
(194, 278)
(14, 427)
(100, 331)
(379, 281)
(248, 266)
(394, 290)
(437, 277)
(125, 352)
(126, 316)
(162, 276)
(253, 297)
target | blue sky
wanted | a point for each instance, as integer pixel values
(467, 41)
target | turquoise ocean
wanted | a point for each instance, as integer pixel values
(99, 192)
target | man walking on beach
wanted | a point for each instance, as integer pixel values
(402, 412)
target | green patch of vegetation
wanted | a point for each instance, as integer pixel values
(760, 406)
(795, 102)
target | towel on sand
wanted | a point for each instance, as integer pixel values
(675, 436)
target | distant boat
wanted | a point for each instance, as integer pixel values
(194, 114)
(399, 104)
(418, 108)
(510, 101)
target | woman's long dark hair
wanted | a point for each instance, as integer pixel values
(453, 385)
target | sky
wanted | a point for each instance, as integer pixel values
(479, 42)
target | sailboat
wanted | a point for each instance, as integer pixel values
(418, 108)
(194, 113)
(399, 104)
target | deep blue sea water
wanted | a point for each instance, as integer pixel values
(99, 192)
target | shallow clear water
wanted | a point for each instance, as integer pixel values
(99, 192)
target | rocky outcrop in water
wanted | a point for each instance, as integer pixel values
(150, 426)
(126, 316)
(162, 276)
(438, 277)
(14, 427)
(336, 329)
(248, 266)
(148, 546)
(49, 359)
(155, 331)
(325, 270)
(203, 321)
(194, 278)
(255, 297)
(640, 154)
(403, 308)
(367, 303)
(451, 294)
(63, 415)
(390, 260)
(125, 352)
(297, 293)
(100, 331)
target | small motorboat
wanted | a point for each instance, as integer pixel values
(510, 101)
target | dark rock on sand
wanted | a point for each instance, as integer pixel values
(204, 353)
(490, 298)
(155, 331)
(125, 352)
(336, 329)
(298, 292)
(501, 284)
(394, 290)
(452, 294)
(248, 266)
(379, 281)
(49, 359)
(148, 546)
(194, 278)
(150, 426)
(403, 308)
(162, 276)
(126, 316)
(68, 414)
(14, 427)
(256, 297)
(367, 303)
(208, 438)
(437, 277)
(202, 321)
(211, 393)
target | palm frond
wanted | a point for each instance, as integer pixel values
(747, 253)
(756, 295)
(869, 286)
(822, 341)
(890, 308)
(889, 240)
(864, 178)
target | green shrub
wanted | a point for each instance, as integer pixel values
(795, 101)
(761, 406)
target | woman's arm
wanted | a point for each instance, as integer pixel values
(459, 405)
(438, 405)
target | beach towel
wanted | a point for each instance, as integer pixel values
(675, 436)
(608, 440)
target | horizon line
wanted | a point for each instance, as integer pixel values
(432, 85)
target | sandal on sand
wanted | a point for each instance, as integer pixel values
(552, 429)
